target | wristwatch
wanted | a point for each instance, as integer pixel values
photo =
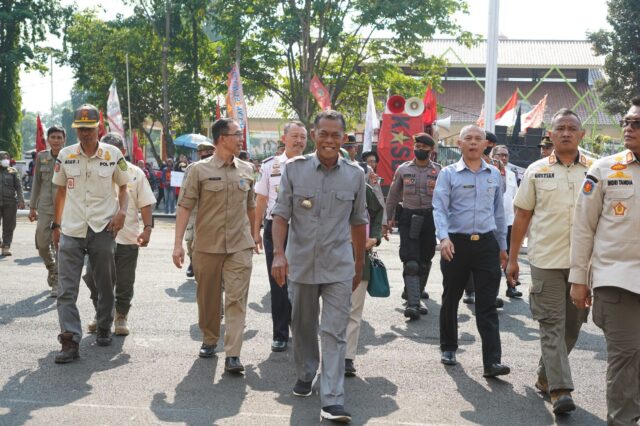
(54, 225)
(147, 226)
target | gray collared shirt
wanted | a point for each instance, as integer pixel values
(469, 202)
(321, 205)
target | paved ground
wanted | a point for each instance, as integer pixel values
(154, 376)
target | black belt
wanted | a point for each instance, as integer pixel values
(473, 237)
(419, 211)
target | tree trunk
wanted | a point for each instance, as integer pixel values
(196, 82)
(166, 132)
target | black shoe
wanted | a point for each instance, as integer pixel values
(335, 413)
(469, 298)
(232, 364)
(499, 303)
(279, 346)
(302, 388)
(404, 294)
(423, 309)
(424, 295)
(190, 273)
(103, 338)
(349, 369)
(496, 370)
(412, 312)
(448, 358)
(207, 351)
(512, 292)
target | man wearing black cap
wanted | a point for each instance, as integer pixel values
(87, 218)
(546, 147)
(351, 147)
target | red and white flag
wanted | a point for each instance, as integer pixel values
(236, 107)
(114, 116)
(320, 93)
(534, 117)
(41, 144)
(507, 115)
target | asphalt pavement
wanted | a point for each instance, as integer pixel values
(154, 375)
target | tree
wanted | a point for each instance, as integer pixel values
(23, 24)
(284, 43)
(28, 130)
(622, 61)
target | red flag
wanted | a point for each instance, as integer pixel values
(507, 114)
(430, 113)
(41, 144)
(395, 143)
(101, 129)
(320, 93)
(137, 151)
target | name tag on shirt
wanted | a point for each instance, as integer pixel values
(215, 178)
(469, 186)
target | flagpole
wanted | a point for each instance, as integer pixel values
(131, 153)
(491, 73)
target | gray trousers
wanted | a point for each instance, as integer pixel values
(8, 212)
(560, 322)
(126, 260)
(617, 313)
(101, 248)
(44, 244)
(336, 306)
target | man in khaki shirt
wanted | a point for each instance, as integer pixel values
(546, 200)
(222, 188)
(43, 192)
(128, 240)
(89, 217)
(605, 240)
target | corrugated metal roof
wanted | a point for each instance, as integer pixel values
(519, 53)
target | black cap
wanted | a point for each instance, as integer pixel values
(367, 154)
(86, 116)
(545, 142)
(491, 137)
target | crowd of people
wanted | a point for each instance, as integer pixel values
(319, 216)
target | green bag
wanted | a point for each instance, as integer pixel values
(378, 280)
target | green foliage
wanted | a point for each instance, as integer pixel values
(28, 130)
(284, 43)
(622, 62)
(23, 24)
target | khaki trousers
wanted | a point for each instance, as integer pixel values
(44, 244)
(210, 271)
(355, 319)
(559, 321)
(617, 313)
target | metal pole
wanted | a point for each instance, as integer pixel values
(491, 73)
(51, 73)
(132, 154)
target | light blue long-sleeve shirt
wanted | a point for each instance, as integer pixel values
(469, 202)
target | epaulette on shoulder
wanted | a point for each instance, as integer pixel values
(269, 159)
(437, 164)
(298, 158)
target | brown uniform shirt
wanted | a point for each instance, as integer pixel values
(223, 193)
(43, 190)
(413, 186)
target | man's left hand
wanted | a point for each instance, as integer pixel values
(358, 276)
(581, 296)
(503, 259)
(116, 224)
(144, 237)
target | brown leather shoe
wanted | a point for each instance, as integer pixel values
(562, 401)
(542, 385)
(70, 349)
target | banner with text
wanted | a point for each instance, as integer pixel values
(395, 143)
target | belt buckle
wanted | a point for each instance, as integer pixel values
(475, 237)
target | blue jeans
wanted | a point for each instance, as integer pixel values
(169, 200)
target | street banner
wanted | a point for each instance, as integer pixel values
(114, 116)
(320, 93)
(236, 107)
(395, 143)
(371, 123)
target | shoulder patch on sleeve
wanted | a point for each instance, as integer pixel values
(122, 164)
(589, 185)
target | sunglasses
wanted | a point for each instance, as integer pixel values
(635, 124)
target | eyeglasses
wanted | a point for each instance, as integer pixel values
(635, 124)
(237, 134)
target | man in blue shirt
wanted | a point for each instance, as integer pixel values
(470, 224)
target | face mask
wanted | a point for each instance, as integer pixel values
(5, 163)
(487, 150)
(421, 154)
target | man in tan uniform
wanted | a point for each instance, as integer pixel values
(605, 238)
(205, 150)
(43, 192)
(546, 200)
(222, 188)
(90, 217)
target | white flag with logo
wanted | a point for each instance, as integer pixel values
(114, 116)
(371, 123)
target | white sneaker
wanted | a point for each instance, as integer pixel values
(93, 325)
(121, 328)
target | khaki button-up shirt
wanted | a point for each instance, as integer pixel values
(43, 190)
(90, 184)
(223, 193)
(413, 185)
(140, 195)
(606, 227)
(321, 204)
(550, 189)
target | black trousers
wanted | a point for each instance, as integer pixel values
(421, 249)
(280, 304)
(481, 259)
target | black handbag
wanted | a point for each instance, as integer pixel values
(378, 279)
